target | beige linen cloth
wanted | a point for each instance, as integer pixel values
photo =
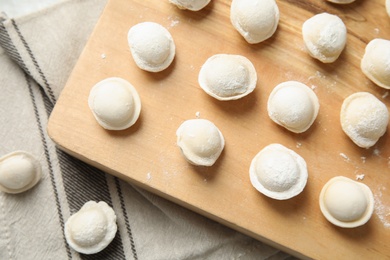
(37, 55)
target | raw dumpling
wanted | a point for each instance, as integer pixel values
(293, 105)
(388, 7)
(325, 36)
(192, 5)
(364, 118)
(115, 103)
(200, 141)
(227, 76)
(255, 20)
(376, 62)
(278, 172)
(341, 1)
(151, 46)
(92, 228)
(346, 203)
(19, 171)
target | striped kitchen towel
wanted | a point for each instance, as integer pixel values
(37, 55)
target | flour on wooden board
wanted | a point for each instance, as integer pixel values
(346, 158)
(174, 20)
(321, 78)
(360, 177)
(382, 210)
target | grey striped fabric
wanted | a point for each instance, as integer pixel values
(37, 55)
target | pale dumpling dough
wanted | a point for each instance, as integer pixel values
(346, 203)
(278, 172)
(151, 46)
(388, 7)
(92, 228)
(376, 62)
(341, 1)
(293, 105)
(115, 103)
(325, 36)
(255, 20)
(19, 171)
(192, 5)
(227, 76)
(200, 141)
(364, 118)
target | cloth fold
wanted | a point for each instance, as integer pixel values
(37, 55)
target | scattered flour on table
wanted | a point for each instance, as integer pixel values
(363, 158)
(174, 20)
(376, 152)
(103, 56)
(289, 75)
(317, 75)
(344, 156)
(359, 177)
(298, 145)
(385, 94)
(148, 176)
(381, 210)
(323, 80)
(388, 162)
(358, 172)
(197, 114)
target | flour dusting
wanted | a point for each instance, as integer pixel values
(381, 210)
(344, 156)
(388, 162)
(174, 21)
(363, 158)
(359, 177)
(317, 75)
(376, 152)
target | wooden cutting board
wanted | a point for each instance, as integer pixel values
(147, 154)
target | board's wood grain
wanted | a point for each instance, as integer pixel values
(147, 155)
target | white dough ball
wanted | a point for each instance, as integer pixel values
(227, 76)
(200, 141)
(375, 63)
(192, 5)
(325, 36)
(255, 20)
(92, 228)
(346, 203)
(341, 1)
(151, 46)
(364, 118)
